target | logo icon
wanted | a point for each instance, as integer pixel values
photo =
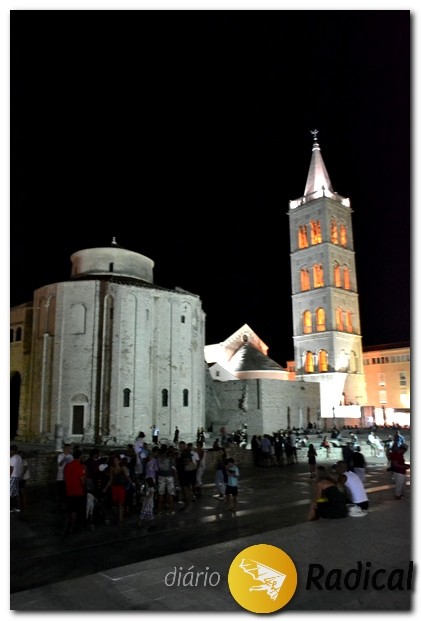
(262, 578)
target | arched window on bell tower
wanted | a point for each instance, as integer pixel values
(318, 275)
(353, 362)
(337, 274)
(320, 320)
(347, 278)
(348, 321)
(316, 232)
(307, 322)
(302, 236)
(342, 235)
(309, 362)
(323, 365)
(305, 279)
(339, 319)
(334, 238)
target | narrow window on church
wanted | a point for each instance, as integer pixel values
(323, 367)
(185, 397)
(302, 236)
(164, 396)
(111, 267)
(343, 235)
(334, 238)
(318, 275)
(309, 364)
(11, 335)
(316, 232)
(348, 320)
(77, 422)
(307, 323)
(339, 319)
(320, 320)
(337, 274)
(183, 319)
(126, 397)
(305, 279)
(353, 362)
(347, 278)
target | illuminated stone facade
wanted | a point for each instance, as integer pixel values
(108, 354)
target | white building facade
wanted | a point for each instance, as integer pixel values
(111, 354)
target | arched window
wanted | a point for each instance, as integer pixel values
(309, 362)
(316, 232)
(305, 279)
(323, 366)
(302, 236)
(11, 335)
(334, 238)
(320, 320)
(185, 397)
(353, 362)
(348, 321)
(343, 235)
(126, 397)
(18, 334)
(183, 319)
(339, 319)
(307, 322)
(347, 278)
(343, 362)
(337, 274)
(164, 398)
(318, 275)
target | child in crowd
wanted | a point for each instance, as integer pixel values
(231, 490)
(147, 512)
(311, 455)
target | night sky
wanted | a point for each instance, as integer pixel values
(185, 134)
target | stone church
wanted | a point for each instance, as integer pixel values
(108, 353)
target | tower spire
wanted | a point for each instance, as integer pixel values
(318, 182)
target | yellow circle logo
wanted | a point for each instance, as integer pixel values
(262, 578)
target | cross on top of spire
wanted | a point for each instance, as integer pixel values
(314, 133)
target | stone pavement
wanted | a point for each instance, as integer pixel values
(123, 568)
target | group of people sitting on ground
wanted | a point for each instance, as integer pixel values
(339, 493)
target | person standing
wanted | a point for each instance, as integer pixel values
(155, 434)
(63, 458)
(147, 511)
(399, 468)
(22, 482)
(231, 490)
(311, 456)
(201, 465)
(75, 481)
(166, 479)
(119, 479)
(16, 473)
(176, 435)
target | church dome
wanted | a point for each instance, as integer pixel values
(111, 261)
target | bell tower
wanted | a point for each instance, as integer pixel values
(326, 318)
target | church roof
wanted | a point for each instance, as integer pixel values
(317, 178)
(248, 358)
(318, 182)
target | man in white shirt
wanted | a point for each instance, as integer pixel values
(354, 486)
(63, 458)
(16, 472)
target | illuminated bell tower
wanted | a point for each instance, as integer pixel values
(326, 318)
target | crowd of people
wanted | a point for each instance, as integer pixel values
(150, 478)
